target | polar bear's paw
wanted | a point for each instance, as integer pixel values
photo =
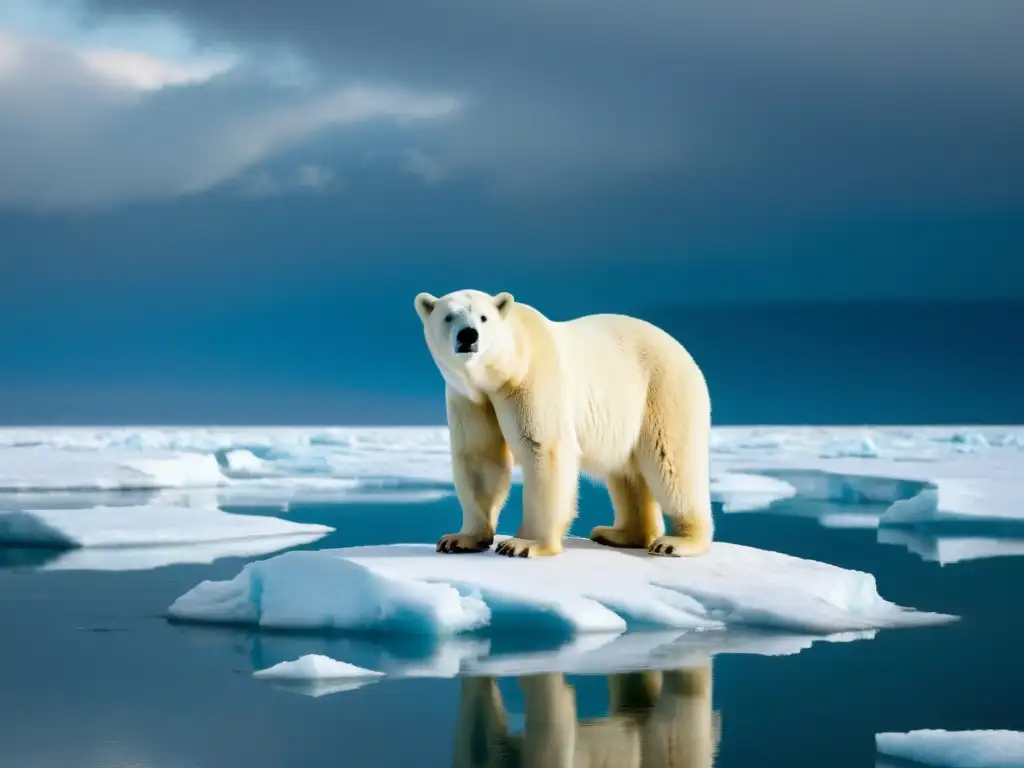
(460, 543)
(515, 547)
(678, 546)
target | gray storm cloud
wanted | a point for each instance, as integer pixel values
(896, 100)
(75, 132)
(784, 102)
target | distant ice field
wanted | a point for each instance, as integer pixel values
(920, 474)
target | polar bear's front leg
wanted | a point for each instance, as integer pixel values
(481, 472)
(550, 489)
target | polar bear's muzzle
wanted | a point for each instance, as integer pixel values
(466, 341)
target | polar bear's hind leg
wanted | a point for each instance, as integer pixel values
(638, 520)
(677, 471)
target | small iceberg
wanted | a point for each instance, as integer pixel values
(411, 589)
(955, 749)
(314, 666)
(317, 675)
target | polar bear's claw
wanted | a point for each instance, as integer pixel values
(460, 543)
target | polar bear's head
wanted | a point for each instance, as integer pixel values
(464, 329)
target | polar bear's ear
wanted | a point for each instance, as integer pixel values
(504, 302)
(425, 304)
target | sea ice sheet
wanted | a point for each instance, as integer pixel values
(150, 556)
(955, 749)
(409, 588)
(923, 474)
(128, 526)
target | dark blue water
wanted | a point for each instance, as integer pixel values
(281, 354)
(92, 675)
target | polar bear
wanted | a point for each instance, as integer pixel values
(609, 396)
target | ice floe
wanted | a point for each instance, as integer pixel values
(923, 474)
(134, 526)
(955, 749)
(409, 588)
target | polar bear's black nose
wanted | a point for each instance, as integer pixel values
(467, 337)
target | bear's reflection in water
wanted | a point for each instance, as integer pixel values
(655, 720)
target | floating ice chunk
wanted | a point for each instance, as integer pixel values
(317, 675)
(41, 468)
(955, 749)
(739, 492)
(588, 588)
(139, 526)
(314, 666)
(946, 550)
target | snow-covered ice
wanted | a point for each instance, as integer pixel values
(409, 588)
(955, 749)
(147, 525)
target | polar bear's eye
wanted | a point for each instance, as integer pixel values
(483, 318)
(447, 318)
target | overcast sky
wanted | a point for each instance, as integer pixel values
(171, 164)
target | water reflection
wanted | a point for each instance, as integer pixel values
(654, 719)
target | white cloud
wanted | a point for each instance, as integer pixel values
(132, 69)
(97, 127)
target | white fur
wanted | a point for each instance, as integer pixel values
(607, 395)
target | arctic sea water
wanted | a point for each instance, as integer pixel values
(94, 675)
